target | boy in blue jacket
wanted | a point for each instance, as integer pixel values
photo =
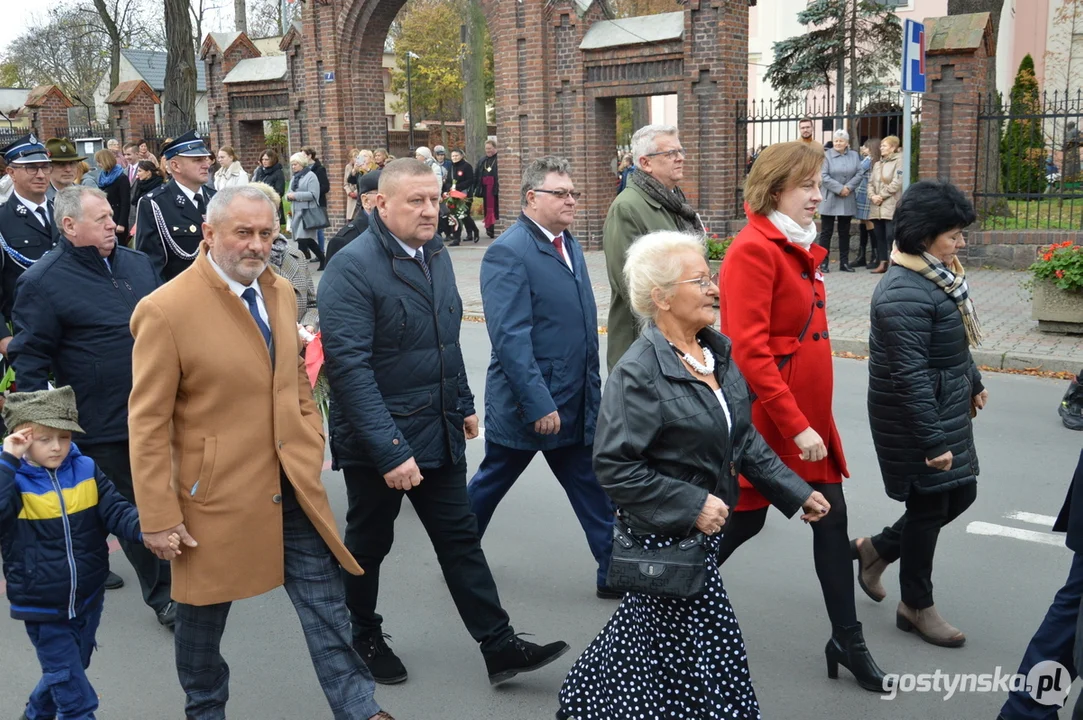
(56, 511)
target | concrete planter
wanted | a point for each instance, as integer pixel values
(1057, 311)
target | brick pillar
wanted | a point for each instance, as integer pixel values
(48, 108)
(957, 72)
(132, 106)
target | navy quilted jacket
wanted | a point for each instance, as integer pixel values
(392, 355)
(53, 530)
(921, 379)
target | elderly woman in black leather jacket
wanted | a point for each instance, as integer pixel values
(674, 430)
(924, 388)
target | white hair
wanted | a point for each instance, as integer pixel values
(842, 135)
(644, 142)
(69, 202)
(655, 261)
(424, 152)
(218, 206)
(301, 158)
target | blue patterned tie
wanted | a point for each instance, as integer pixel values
(420, 257)
(249, 296)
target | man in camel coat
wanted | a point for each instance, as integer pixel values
(227, 446)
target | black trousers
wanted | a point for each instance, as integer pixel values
(883, 231)
(863, 242)
(830, 551)
(309, 245)
(912, 539)
(154, 575)
(444, 509)
(827, 229)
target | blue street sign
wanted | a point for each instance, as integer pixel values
(329, 76)
(913, 57)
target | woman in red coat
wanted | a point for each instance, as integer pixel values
(774, 310)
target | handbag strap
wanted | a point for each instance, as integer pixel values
(801, 337)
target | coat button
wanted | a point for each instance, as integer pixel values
(820, 304)
(281, 443)
(804, 276)
(277, 499)
(816, 336)
(395, 441)
(825, 334)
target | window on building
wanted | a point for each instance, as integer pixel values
(386, 74)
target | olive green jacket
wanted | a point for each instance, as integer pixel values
(632, 215)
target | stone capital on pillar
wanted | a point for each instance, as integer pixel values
(132, 107)
(47, 107)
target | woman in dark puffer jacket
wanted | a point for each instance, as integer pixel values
(924, 388)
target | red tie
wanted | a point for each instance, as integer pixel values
(558, 243)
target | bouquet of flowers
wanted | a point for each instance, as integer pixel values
(458, 204)
(321, 389)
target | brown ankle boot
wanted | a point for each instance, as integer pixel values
(870, 566)
(928, 624)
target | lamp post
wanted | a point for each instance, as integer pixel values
(410, 98)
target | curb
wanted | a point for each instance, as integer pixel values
(984, 358)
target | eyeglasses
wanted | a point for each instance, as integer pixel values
(671, 154)
(35, 169)
(561, 194)
(704, 283)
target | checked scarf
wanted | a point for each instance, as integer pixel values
(950, 280)
(673, 200)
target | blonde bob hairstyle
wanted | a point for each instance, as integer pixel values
(301, 159)
(779, 167)
(655, 261)
(894, 141)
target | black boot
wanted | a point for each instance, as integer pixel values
(863, 242)
(519, 656)
(844, 254)
(382, 662)
(847, 648)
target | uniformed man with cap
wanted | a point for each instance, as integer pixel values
(169, 221)
(65, 161)
(26, 220)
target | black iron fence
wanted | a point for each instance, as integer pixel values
(1028, 163)
(765, 122)
(156, 135)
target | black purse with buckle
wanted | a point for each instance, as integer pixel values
(679, 570)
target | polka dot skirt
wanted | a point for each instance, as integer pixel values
(669, 658)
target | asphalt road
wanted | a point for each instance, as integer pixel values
(994, 587)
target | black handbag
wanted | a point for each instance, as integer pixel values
(315, 218)
(679, 570)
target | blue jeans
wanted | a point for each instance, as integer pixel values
(64, 649)
(319, 238)
(1053, 640)
(502, 466)
(314, 584)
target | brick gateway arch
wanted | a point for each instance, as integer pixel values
(560, 65)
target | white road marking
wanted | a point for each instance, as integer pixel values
(1032, 518)
(984, 528)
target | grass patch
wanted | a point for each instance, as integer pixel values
(1051, 214)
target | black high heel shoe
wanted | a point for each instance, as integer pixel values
(847, 648)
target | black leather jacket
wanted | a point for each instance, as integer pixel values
(663, 444)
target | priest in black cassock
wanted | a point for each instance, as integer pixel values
(487, 186)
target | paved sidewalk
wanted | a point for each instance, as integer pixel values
(1012, 340)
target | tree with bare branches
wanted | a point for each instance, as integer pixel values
(179, 96)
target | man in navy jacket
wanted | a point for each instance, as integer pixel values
(543, 387)
(72, 309)
(401, 414)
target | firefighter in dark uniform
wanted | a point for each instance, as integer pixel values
(169, 221)
(27, 230)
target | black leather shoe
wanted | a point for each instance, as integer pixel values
(845, 267)
(113, 581)
(383, 663)
(825, 268)
(519, 656)
(604, 593)
(167, 616)
(847, 648)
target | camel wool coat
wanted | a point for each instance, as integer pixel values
(214, 428)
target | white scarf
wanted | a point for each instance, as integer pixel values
(794, 233)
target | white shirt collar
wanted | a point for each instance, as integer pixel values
(33, 206)
(237, 288)
(407, 249)
(544, 230)
(191, 194)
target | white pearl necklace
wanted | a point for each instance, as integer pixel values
(702, 368)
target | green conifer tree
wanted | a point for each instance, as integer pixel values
(1022, 150)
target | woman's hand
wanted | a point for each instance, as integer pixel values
(876, 199)
(979, 400)
(815, 507)
(713, 515)
(811, 445)
(845, 192)
(941, 462)
(289, 196)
